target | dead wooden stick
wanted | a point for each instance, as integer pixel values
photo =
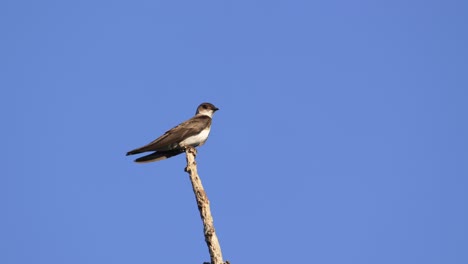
(204, 207)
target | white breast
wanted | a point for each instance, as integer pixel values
(197, 139)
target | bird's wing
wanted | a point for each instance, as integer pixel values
(172, 137)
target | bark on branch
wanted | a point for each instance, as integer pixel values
(204, 207)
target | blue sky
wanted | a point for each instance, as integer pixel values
(342, 134)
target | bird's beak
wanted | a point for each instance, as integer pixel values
(216, 109)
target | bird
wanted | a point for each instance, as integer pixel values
(191, 133)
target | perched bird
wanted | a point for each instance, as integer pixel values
(191, 133)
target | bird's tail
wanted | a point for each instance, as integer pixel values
(158, 155)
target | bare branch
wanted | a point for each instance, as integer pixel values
(204, 207)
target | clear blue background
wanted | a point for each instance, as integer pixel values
(342, 135)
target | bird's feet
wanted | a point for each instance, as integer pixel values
(191, 149)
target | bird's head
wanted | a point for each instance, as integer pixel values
(206, 109)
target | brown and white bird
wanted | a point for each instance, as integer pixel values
(191, 133)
